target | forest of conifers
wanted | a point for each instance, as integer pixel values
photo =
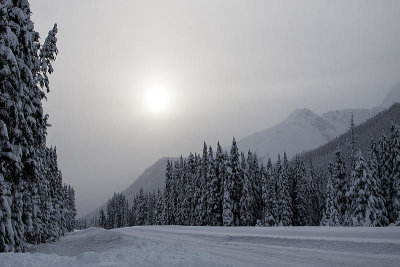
(221, 189)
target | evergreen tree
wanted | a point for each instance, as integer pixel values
(218, 183)
(188, 205)
(228, 203)
(269, 196)
(180, 181)
(339, 181)
(201, 208)
(300, 216)
(196, 219)
(132, 213)
(393, 167)
(158, 212)
(102, 219)
(352, 143)
(141, 208)
(7, 240)
(169, 195)
(234, 186)
(257, 188)
(214, 189)
(378, 214)
(283, 193)
(385, 167)
(316, 202)
(248, 198)
(364, 196)
(331, 216)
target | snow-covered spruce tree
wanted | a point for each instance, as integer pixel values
(316, 202)
(352, 144)
(185, 200)
(330, 215)
(228, 203)
(264, 196)
(248, 198)
(196, 175)
(149, 203)
(378, 215)
(221, 173)
(102, 219)
(110, 215)
(6, 230)
(158, 211)
(124, 212)
(140, 208)
(70, 208)
(384, 163)
(187, 210)
(258, 189)
(300, 212)
(201, 208)
(180, 180)
(364, 196)
(42, 198)
(17, 46)
(269, 196)
(233, 186)
(239, 184)
(49, 192)
(132, 213)
(214, 192)
(169, 195)
(394, 173)
(339, 180)
(283, 193)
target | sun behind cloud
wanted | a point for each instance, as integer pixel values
(157, 99)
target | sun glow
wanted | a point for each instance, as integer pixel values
(157, 99)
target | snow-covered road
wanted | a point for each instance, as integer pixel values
(217, 246)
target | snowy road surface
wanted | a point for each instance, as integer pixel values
(217, 246)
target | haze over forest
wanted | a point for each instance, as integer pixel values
(228, 68)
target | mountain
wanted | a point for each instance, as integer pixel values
(302, 130)
(151, 179)
(364, 131)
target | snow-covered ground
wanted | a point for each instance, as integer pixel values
(217, 246)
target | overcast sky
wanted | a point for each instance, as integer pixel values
(230, 68)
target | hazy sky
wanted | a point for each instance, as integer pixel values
(229, 68)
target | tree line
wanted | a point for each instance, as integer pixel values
(221, 189)
(35, 206)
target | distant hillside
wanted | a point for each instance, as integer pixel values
(372, 127)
